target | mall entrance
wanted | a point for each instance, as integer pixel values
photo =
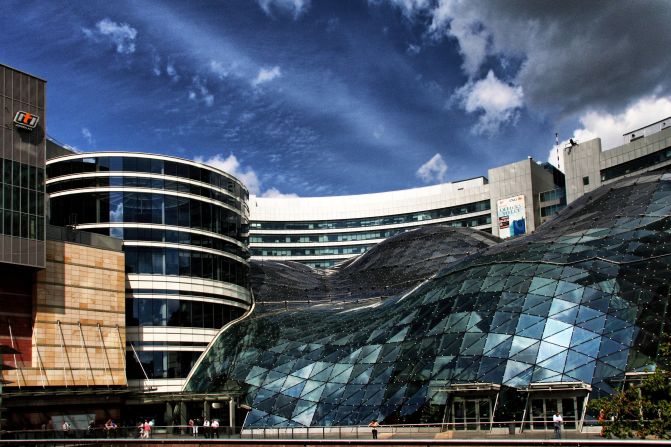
(545, 399)
(471, 406)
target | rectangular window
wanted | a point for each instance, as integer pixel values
(585, 181)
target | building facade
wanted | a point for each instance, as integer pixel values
(587, 166)
(511, 331)
(184, 230)
(322, 231)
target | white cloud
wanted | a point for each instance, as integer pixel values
(267, 75)
(413, 50)
(232, 166)
(156, 68)
(496, 101)
(433, 171)
(121, 35)
(88, 136)
(452, 21)
(246, 174)
(275, 193)
(200, 92)
(293, 7)
(171, 71)
(610, 127)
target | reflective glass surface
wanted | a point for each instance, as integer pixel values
(583, 299)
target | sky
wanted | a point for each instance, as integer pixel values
(315, 98)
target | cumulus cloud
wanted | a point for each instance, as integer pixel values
(88, 136)
(266, 75)
(496, 101)
(121, 35)
(293, 7)
(275, 193)
(610, 127)
(573, 55)
(433, 171)
(231, 165)
(246, 174)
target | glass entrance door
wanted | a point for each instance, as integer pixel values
(543, 409)
(471, 414)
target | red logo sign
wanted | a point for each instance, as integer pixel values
(26, 120)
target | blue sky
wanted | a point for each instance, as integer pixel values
(343, 97)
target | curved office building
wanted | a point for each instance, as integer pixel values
(323, 231)
(185, 229)
(513, 331)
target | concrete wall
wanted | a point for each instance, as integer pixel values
(79, 336)
(525, 178)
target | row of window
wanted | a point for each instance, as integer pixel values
(21, 200)
(358, 236)
(136, 207)
(147, 165)
(174, 262)
(21, 225)
(376, 221)
(22, 175)
(172, 237)
(179, 313)
(637, 164)
(322, 251)
(143, 182)
(160, 365)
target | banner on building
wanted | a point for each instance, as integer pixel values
(511, 214)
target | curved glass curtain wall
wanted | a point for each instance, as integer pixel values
(179, 222)
(583, 299)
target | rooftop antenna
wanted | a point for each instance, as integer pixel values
(557, 149)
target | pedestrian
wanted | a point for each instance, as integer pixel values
(66, 429)
(141, 430)
(193, 427)
(206, 428)
(147, 429)
(214, 428)
(374, 426)
(557, 421)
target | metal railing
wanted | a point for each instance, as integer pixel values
(538, 429)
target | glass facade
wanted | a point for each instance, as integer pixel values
(22, 151)
(376, 221)
(185, 230)
(21, 200)
(582, 300)
(636, 164)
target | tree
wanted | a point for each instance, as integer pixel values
(640, 409)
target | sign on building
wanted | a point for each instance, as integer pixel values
(25, 120)
(511, 214)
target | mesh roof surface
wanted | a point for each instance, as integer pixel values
(584, 299)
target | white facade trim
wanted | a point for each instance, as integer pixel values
(183, 247)
(187, 284)
(162, 227)
(146, 155)
(146, 190)
(64, 178)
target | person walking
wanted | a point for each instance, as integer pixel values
(193, 427)
(206, 428)
(66, 429)
(557, 421)
(214, 427)
(147, 429)
(374, 426)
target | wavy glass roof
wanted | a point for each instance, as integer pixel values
(584, 299)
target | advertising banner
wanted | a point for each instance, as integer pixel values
(511, 217)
